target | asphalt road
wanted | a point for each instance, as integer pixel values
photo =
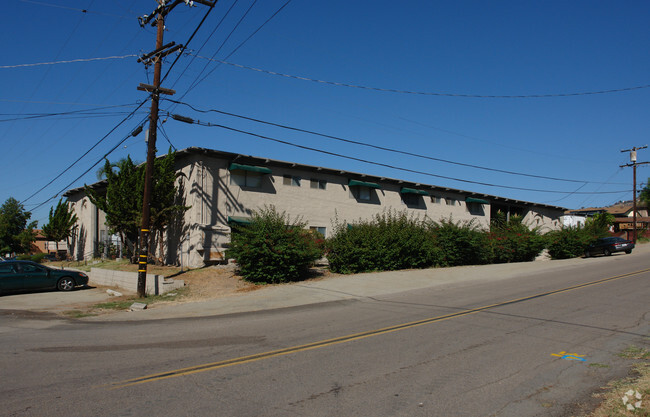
(538, 343)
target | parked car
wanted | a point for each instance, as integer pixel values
(28, 275)
(609, 245)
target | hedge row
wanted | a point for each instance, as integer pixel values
(274, 249)
(391, 241)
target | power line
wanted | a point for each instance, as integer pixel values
(164, 133)
(207, 124)
(92, 111)
(91, 167)
(239, 46)
(74, 9)
(214, 30)
(428, 93)
(84, 154)
(196, 80)
(355, 142)
(69, 61)
(184, 47)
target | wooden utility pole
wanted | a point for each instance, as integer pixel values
(156, 57)
(633, 164)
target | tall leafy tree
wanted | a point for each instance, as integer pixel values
(122, 199)
(16, 232)
(164, 205)
(644, 196)
(61, 224)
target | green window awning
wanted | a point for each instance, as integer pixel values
(250, 168)
(355, 183)
(476, 200)
(405, 190)
(239, 220)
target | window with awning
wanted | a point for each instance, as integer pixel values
(250, 168)
(405, 190)
(476, 200)
(356, 183)
(248, 176)
(239, 220)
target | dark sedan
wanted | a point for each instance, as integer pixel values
(609, 245)
(28, 275)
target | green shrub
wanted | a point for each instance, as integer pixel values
(272, 248)
(513, 241)
(388, 241)
(38, 257)
(461, 243)
(568, 242)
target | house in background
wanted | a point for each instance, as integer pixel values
(42, 245)
(223, 189)
(624, 218)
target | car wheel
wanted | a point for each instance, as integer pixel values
(629, 251)
(65, 284)
(607, 252)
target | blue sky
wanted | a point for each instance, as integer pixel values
(475, 48)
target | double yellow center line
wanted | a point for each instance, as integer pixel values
(348, 338)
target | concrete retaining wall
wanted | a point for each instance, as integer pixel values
(156, 284)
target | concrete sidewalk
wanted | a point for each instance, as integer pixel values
(350, 287)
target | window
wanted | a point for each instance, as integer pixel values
(321, 230)
(411, 200)
(31, 268)
(318, 184)
(450, 201)
(246, 179)
(364, 193)
(291, 180)
(436, 200)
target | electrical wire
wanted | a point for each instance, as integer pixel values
(428, 93)
(68, 61)
(161, 128)
(187, 43)
(74, 9)
(84, 154)
(196, 80)
(91, 111)
(207, 124)
(216, 27)
(90, 168)
(239, 46)
(355, 142)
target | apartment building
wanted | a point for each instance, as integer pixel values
(224, 189)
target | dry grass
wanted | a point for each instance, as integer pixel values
(612, 399)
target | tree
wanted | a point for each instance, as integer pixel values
(16, 234)
(61, 223)
(164, 205)
(122, 199)
(644, 196)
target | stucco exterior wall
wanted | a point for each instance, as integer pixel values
(215, 197)
(215, 194)
(90, 225)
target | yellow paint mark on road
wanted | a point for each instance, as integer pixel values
(351, 337)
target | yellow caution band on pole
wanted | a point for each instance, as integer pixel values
(143, 256)
(144, 230)
(142, 270)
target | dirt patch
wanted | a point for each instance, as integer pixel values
(213, 282)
